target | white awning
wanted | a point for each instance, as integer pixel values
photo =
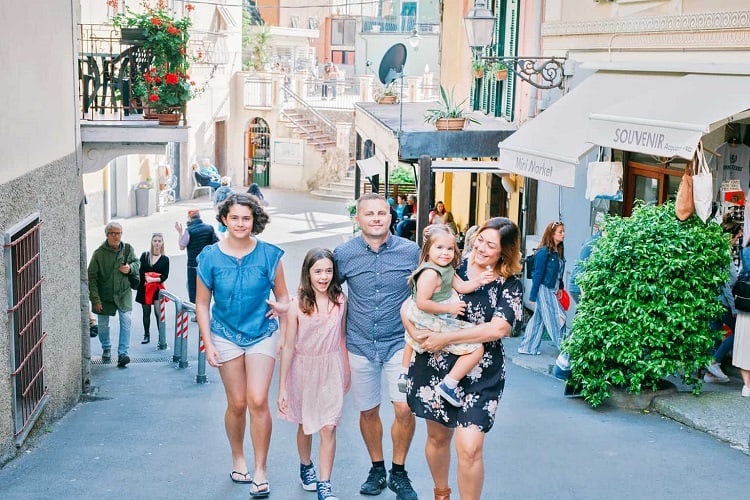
(371, 166)
(456, 166)
(549, 147)
(670, 118)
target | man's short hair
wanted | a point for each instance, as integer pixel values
(112, 225)
(194, 213)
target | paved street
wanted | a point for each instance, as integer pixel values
(149, 431)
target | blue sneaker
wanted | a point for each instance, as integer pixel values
(325, 492)
(308, 477)
(448, 394)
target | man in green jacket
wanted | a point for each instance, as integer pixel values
(110, 292)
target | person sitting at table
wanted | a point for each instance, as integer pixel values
(408, 224)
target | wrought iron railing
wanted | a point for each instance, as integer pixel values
(106, 67)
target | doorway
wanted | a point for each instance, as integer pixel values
(652, 184)
(258, 153)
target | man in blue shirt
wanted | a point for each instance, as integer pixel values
(375, 266)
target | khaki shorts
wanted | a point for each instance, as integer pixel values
(367, 377)
(229, 350)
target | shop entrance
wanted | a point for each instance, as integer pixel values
(258, 152)
(650, 182)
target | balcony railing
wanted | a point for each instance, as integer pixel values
(265, 90)
(397, 24)
(106, 68)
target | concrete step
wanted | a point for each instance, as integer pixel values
(323, 195)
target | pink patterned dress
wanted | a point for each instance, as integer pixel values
(315, 385)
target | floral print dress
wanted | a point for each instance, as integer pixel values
(480, 391)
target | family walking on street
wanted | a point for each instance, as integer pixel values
(428, 325)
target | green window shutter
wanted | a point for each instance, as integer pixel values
(510, 49)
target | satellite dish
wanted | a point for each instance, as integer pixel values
(392, 64)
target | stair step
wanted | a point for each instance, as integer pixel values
(331, 196)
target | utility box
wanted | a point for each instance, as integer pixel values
(145, 201)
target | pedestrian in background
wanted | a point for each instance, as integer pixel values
(220, 195)
(583, 256)
(241, 333)
(314, 373)
(546, 279)
(493, 308)
(195, 237)
(110, 292)
(375, 266)
(741, 344)
(254, 190)
(154, 271)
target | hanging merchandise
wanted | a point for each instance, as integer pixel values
(703, 185)
(684, 206)
(604, 179)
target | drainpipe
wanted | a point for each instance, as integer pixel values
(536, 49)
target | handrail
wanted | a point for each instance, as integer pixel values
(290, 93)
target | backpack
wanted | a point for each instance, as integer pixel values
(529, 263)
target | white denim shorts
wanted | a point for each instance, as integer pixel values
(367, 377)
(228, 350)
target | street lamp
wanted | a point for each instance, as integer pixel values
(414, 39)
(480, 25)
(540, 72)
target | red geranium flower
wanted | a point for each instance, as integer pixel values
(189, 7)
(173, 31)
(156, 21)
(171, 79)
(153, 98)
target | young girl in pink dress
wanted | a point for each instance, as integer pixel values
(314, 373)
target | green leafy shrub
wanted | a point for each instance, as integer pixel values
(651, 288)
(401, 175)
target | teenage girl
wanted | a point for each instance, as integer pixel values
(314, 373)
(240, 331)
(435, 305)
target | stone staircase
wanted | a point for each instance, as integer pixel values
(309, 128)
(341, 190)
(318, 134)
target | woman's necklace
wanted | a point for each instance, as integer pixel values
(155, 259)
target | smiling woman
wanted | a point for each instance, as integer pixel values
(241, 334)
(493, 309)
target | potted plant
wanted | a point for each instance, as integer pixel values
(166, 86)
(167, 93)
(449, 115)
(500, 71)
(478, 68)
(387, 94)
(650, 291)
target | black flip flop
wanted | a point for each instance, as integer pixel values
(259, 493)
(245, 475)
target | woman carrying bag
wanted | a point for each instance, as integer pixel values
(546, 280)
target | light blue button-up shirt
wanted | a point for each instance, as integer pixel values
(377, 286)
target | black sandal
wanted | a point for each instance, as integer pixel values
(246, 479)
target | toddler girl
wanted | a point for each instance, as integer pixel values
(435, 305)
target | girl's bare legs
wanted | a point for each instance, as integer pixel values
(327, 451)
(259, 370)
(304, 446)
(234, 379)
(465, 363)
